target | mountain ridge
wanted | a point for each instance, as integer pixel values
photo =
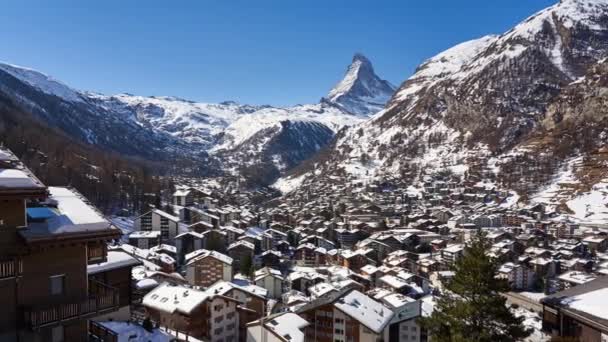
(476, 104)
(162, 127)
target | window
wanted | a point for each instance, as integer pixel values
(57, 334)
(57, 284)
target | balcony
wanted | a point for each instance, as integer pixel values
(102, 299)
(10, 268)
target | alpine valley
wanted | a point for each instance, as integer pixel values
(524, 110)
(229, 136)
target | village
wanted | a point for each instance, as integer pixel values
(334, 260)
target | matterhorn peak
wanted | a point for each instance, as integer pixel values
(361, 91)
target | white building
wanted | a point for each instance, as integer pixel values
(271, 280)
(158, 220)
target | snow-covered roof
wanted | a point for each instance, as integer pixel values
(115, 259)
(454, 248)
(223, 287)
(576, 277)
(182, 192)
(172, 298)
(18, 179)
(367, 311)
(143, 234)
(396, 300)
(289, 326)
(146, 283)
(166, 215)
(127, 331)
(68, 212)
(203, 253)
(321, 289)
(393, 281)
(594, 303)
(243, 243)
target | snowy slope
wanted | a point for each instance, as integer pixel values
(483, 92)
(42, 82)
(248, 125)
(480, 101)
(192, 122)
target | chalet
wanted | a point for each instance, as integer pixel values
(341, 314)
(115, 271)
(271, 259)
(200, 314)
(48, 236)
(252, 301)
(240, 252)
(187, 243)
(204, 267)
(305, 255)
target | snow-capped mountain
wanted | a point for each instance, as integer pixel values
(70, 111)
(361, 91)
(480, 102)
(163, 127)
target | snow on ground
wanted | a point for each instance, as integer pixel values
(133, 332)
(552, 193)
(532, 320)
(511, 200)
(592, 206)
(588, 207)
(288, 184)
(537, 296)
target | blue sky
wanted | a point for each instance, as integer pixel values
(278, 52)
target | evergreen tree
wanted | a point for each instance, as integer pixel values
(147, 324)
(471, 308)
(246, 266)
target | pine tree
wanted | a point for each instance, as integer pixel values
(472, 309)
(246, 266)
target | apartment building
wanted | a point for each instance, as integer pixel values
(204, 267)
(158, 220)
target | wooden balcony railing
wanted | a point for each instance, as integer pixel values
(98, 332)
(101, 299)
(10, 268)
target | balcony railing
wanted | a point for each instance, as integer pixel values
(98, 332)
(101, 299)
(10, 268)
